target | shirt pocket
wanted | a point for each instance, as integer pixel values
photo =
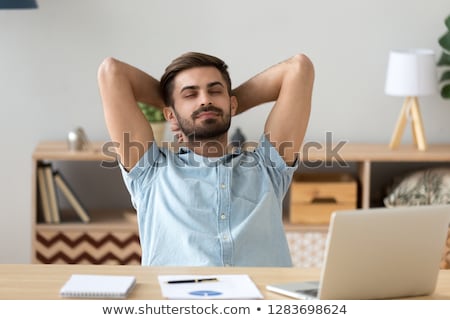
(249, 185)
(197, 196)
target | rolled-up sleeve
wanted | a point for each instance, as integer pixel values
(279, 171)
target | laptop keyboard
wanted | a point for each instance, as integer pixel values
(309, 292)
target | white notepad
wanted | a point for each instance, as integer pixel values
(98, 286)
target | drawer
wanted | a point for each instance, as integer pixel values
(315, 187)
(314, 196)
(316, 213)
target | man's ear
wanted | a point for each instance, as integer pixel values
(234, 105)
(169, 114)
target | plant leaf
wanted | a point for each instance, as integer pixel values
(445, 91)
(444, 41)
(447, 22)
(445, 76)
(444, 60)
(151, 113)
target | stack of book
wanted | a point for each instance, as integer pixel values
(49, 181)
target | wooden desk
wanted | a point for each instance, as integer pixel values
(29, 282)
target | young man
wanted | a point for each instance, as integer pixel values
(204, 204)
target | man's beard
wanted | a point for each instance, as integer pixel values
(209, 128)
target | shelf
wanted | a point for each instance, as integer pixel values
(355, 152)
(113, 220)
(58, 151)
(112, 237)
(290, 227)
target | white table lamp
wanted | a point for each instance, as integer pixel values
(411, 73)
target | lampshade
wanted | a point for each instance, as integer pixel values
(411, 73)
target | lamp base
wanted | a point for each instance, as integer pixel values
(410, 108)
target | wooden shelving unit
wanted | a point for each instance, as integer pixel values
(111, 237)
(366, 155)
(307, 242)
(113, 224)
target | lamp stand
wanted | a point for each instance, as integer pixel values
(410, 108)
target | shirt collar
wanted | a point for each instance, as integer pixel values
(235, 151)
(187, 155)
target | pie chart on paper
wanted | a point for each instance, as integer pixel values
(205, 293)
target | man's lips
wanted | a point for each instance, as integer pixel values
(207, 114)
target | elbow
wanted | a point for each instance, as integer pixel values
(302, 66)
(302, 61)
(109, 66)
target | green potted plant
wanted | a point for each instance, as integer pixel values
(156, 118)
(444, 61)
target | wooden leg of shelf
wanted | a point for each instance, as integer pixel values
(419, 132)
(364, 178)
(400, 127)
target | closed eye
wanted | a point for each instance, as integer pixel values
(215, 87)
(190, 95)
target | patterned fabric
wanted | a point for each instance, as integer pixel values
(87, 247)
(424, 187)
(445, 263)
(307, 248)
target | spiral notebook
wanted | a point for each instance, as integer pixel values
(87, 286)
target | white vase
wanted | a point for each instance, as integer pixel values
(159, 130)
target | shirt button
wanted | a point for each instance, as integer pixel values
(223, 186)
(225, 237)
(223, 216)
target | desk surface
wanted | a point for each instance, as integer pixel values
(36, 281)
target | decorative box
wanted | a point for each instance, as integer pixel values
(314, 196)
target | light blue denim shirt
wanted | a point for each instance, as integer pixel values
(198, 211)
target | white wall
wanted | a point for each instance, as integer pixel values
(49, 59)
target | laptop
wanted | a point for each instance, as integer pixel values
(378, 253)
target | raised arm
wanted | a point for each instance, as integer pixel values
(121, 87)
(290, 84)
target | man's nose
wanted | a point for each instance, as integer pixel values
(204, 99)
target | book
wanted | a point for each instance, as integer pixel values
(71, 197)
(98, 286)
(43, 194)
(188, 287)
(53, 200)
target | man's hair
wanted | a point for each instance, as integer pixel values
(187, 61)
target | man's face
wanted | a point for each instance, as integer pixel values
(202, 105)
